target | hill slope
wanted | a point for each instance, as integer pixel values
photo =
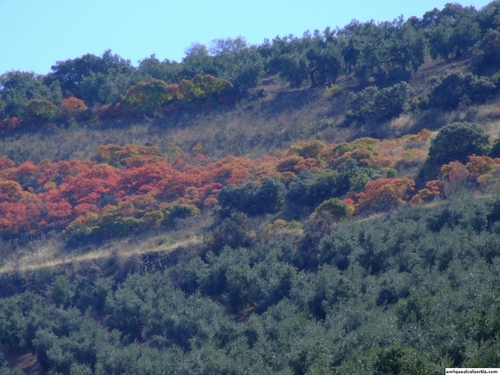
(312, 205)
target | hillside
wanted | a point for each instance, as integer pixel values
(317, 205)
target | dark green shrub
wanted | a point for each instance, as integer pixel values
(336, 248)
(401, 361)
(39, 111)
(334, 208)
(326, 185)
(330, 288)
(78, 369)
(453, 88)
(310, 189)
(486, 59)
(495, 149)
(62, 291)
(362, 105)
(380, 105)
(243, 68)
(45, 343)
(452, 31)
(457, 141)
(414, 310)
(232, 231)
(18, 88)
(393, 101)
(298, 192)
(182, 211)
(488, 355)
(254, 199)
(20, 317)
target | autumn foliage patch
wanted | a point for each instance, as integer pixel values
(124, 189)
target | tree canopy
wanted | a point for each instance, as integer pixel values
(457, 141)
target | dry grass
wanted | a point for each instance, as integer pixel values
(433, 68)
(253, 127)
(402, 125)
(53, 253)
(52, 257)
(488, 112)
(488, 116)
(240, 131)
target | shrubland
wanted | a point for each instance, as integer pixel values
(312, 205)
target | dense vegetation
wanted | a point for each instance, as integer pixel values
(356, 230)
(382, 56)
(415, 292)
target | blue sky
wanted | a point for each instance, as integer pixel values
(37, 33)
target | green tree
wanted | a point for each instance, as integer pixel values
(326, 185)
(271, 195)
(70, 73)
(227, 46)
(18, 88)
(232, 231)
(211, 86)
(165, 70)
(363, 47)
(362, 103)
(39, 111)
(489, 17)
(325, 62)
(388, 51)
(282, 56)
(334, 208)
(495, 149)
(102, 88)
(197, 61)
(406, 50)
(350, 54)
(452, 88)
(457, 141)
(147, 95)
(316, 58)
(379, 105)
(62, 291)
(254, 199)
(403, 361)
(486, 59)
(393, 101)
(244, 68)
(308, 190)
(454, 30)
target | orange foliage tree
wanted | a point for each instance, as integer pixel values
(385, 193)
(73, 108)
(433, 189)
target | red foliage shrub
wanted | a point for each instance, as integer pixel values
(6, 163)
(385, 193)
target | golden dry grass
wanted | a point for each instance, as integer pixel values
(53, 253)
(252, 127)
(50, 256)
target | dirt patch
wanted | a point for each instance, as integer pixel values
(27, 362)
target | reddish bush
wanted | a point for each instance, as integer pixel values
(384, 193)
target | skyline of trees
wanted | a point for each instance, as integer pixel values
(389, 52)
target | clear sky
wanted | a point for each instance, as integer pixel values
(37, 33)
